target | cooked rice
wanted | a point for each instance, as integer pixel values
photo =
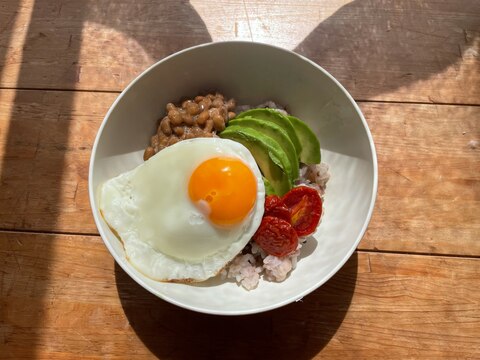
(244, 270)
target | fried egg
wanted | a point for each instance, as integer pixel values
(185, 213)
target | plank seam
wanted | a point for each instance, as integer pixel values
(60, 90)
(357, 100)
(44, 232)
(415, 102)
(66, 233)
(420, 253)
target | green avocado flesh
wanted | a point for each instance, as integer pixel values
(268, 154)
(277, 118)
(310, 153)
(276, 133)
(269, 190)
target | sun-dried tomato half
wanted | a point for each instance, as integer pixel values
(271, 201)
(305, 207)
(281, 212)
(274, 207)
(276, 236)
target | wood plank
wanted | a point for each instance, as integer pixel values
(63, 297)
(429, 184)
(422, 51)
(45, 157)
(429, 178)
(425, 51)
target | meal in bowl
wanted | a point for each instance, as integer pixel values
(219, 194)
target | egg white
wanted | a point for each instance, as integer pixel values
(164, 235)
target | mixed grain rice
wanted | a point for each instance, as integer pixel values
(253, 263)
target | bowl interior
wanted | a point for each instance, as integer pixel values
(251, 73)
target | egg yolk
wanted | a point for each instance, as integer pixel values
(226, 186)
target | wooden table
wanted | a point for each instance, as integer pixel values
(410, 291)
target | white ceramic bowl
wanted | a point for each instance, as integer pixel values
(251, 73)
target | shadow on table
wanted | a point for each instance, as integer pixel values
(37, 147)
(296, 331)
(375, 47)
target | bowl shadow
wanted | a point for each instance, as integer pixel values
(299, 330)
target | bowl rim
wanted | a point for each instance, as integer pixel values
(299, 296)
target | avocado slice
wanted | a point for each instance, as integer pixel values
(276, 117)
(270, 157)
(269, 190)
(310, 153)
(276, 133)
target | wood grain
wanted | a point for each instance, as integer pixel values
(64, 297)
(429, 178)
(429, 184)
(46, 153)
(422, 51)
